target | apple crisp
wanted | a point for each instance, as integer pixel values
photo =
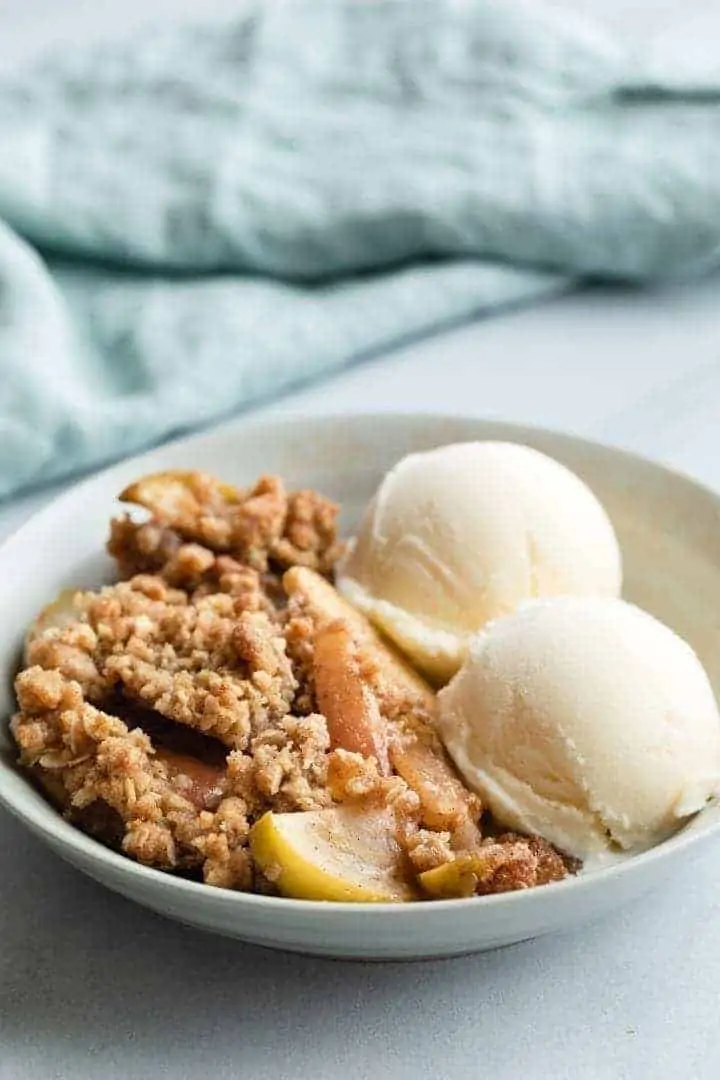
(222, 705)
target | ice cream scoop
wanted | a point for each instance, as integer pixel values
(462, 534)
(586, 721)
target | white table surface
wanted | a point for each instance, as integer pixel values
(92, 987)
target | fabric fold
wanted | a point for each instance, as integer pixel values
(225, 211)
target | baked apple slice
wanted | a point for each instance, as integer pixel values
(345, 700)
(177, 496)
(403, 700)
(337, 854)
(201, 782)
(397, 687)
(445, 802)
(458, 878)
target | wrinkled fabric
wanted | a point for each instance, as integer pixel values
(204, 217)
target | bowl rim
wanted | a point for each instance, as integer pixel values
(46, 822)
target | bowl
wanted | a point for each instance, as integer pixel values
(669, 529)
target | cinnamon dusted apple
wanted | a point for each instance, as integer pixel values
(344, 697)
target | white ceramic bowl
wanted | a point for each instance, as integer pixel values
(669, 528)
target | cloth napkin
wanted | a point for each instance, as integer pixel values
(203, 217)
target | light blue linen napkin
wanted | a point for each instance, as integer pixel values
(204, 217)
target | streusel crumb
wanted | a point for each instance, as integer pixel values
(262, 527)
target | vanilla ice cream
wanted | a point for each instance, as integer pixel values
(460, 535)
(587, 721)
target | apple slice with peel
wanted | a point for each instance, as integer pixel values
(458, 878)
(347, 703)
(337, 854)
(445, 802)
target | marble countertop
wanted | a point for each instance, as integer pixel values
(92, 986)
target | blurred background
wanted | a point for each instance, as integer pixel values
(639, 346)
(632, 366)
(29, 26)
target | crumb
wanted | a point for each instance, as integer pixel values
(140, 547)
(428, 850)
(356, 780)
(290, 764)
(299, 641)
(95, 757)
(551, 864)
(211, 664)
(309, 535)
(263, 527)
(225, 866)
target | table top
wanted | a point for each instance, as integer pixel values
(92, 986)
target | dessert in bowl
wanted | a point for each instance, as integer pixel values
(224, 715)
